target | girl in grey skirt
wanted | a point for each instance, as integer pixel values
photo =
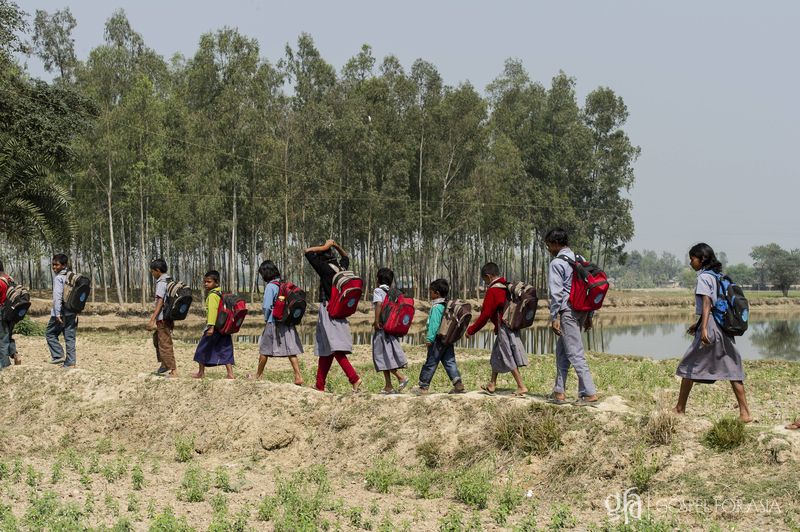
(387, 353)
(334, 340)
(713, 355)
(277, 340)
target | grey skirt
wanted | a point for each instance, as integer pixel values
(718, 361)
(332, 335)
(507, 352)
(279, 341)
(387, 353)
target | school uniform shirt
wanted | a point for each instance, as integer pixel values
(559, 282)
(435, 319)
(325, 272)
(212, 305)
(161, 293)
(379, 294)
(270, 294)
(58, 293)
(706, 286)
(493, 304)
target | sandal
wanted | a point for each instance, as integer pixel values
(793, 426)
(553, 400)
(402, 385)
(387, 392)
(585, 402)
(520, 394)
(486, 390)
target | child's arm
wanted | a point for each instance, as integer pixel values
(376, 324)
(434, 322)
(491, 301)
(704, 339)
(270, 293)
(325, 247)
(152, 323)
(339, 249)
(212, 311)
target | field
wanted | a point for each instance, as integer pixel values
(108, 446)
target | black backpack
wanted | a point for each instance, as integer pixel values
(177, 300)
(17, 302)
(732, 310)
(76, 292)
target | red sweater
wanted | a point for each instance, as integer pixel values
(493, 304)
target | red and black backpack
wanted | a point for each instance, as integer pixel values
(589, 284)
(231, 313)
(14, 306)
(289, 306)
(397, 312)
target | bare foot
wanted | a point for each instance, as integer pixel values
(252, 377)
(298, 382)
(230, 377)
(679, 411)
(17, 360)
(521, 392)
(746, 418)
(197, 375)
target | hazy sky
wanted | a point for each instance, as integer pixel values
(711, 86)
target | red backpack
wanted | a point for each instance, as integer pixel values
(397, 312)
(345, 294)
(290, 304)
(231, 313)
(589, 285)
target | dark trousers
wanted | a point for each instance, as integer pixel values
(69, 329)
(8, 348)
(438, 352)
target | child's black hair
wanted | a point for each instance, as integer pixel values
(708, 259)
(1, 266)
(441, 286)
(269, 271)
(491, 269)
(61, 259)
(385, 276)
(212, 274)
(159, 265)
(328, 256)
(557, 236)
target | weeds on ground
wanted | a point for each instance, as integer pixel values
(166, 521)
(381, 476)
(184, 448)
(561, 518)
(473, 487)
(133, 504)
(57, 472)
(194, 485)
(222, 481)
(535, 429)
(28, 327)
(507, 500)
(7, 520)
(47, 513)
(300, 498)
(112, 506)
(528, 523)
(643, 469)
(660, 427)
(430, 452)
(122, 525)
(425, 484)
(32, 477)
(727, 433)
(137, 478)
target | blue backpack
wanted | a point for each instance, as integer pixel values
(731, 311)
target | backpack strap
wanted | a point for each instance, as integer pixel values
(566, 258)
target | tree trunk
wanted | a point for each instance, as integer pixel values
(232, 269)
(111, 236)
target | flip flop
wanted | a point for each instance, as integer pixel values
(387, 392)
(554, 401)
(520, 395)
(486, 390)
(402, 385)
(793, 426)
(583, 402)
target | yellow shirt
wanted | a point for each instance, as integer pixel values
(212, 305)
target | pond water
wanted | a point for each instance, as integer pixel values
(774, 337)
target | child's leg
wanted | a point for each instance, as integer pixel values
(323, 367)
(738, 391)
(429, 367)
(262, 363)
(521, 388)
(70, 332)
(387, 378)
(298, 377)
(493, 381)
(683, 395)
(400, 377)
(348, 369)
(229, 369)
(51, 335)
(201, 371)
(165, 347)
(448, 359)
(571, 323)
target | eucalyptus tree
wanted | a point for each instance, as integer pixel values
(53, 42)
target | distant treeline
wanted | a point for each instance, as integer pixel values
(225, 158)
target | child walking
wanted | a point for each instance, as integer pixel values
(713, 355)
(277, 340)
(566, 323)
(508, 354)
(387, 353)
(437, 350)
(333, 338)
(8, 347)
(162, 328)
(62, 321)
(214, 349)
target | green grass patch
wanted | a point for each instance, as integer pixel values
(727, 433)
(473, 486)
